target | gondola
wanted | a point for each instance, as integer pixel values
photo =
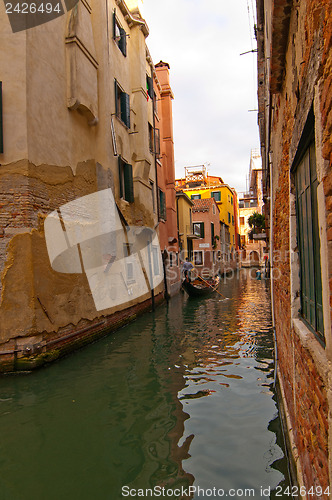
(200, 287)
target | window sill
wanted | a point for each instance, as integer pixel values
(310, 342)
(122, 123)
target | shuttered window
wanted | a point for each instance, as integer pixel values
(119, 35)
(162, 205)
(308, 241)
(126, 183)
(122, 104)
(212, 234)
(216, 195)
(149, 86)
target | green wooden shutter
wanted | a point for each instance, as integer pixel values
(202, 230)
(116, 94)
(125, 108)
(114, 24)
(149, 84)
(128, 182)
(120, 166)
(123, 41)
(309, 242)
(212, 233)
(1, 124)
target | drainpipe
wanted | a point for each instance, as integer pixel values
(269, 152)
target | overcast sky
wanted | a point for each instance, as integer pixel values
(214, 87)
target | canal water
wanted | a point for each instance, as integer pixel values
(181, 398)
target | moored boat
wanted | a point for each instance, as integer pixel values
(200, 287)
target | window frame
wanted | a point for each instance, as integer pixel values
(218, 193)
(121, 38)
(126, 182)
(122, 104)
(304, 172)
(201, 262)
(201, 230)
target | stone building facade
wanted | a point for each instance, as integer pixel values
(75, 123)
(295, 121)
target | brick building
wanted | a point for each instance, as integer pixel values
(206, 249)
(295, 121)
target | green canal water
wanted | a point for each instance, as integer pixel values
(182, 397)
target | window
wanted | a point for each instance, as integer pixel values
(233, 220)
(242, 221)
(232, 200)
(195, 196)
(130, 272)
(151, 138)
(241, 204)
(122, 105)
(308, 241)
(153, 196)
(149, 87)
(155, 260)
(199, 229)
(198, 258)
(162, 205)
(229, 218)
(216, 195)
(119, 35)
(213, 209)
(212, 234)
(126, 180)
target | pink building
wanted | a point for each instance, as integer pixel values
(206, 248)
(165, 168)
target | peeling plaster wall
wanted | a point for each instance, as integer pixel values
(54, 153)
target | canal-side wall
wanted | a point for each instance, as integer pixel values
(66, 136)
(294, 52)
(29, 353)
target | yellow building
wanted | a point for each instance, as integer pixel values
(197, 184)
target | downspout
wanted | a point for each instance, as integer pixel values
(271, 244)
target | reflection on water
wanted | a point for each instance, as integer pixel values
(181, 397)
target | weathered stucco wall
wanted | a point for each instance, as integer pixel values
(58, 102)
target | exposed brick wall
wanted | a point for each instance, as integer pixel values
(311, 410)
(307, 79)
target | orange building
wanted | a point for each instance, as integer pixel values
(161, 142)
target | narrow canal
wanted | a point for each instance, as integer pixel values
(182, 397)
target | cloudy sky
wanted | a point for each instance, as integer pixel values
(214, 87)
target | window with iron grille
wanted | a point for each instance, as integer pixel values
(308, 241)
(119, 35)
(126, 183)
(122, 104)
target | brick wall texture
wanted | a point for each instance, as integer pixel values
(309, 81)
